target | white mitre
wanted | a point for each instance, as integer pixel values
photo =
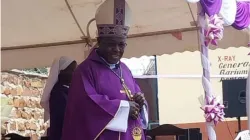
(113, 18)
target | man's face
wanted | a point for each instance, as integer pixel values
(112, 48)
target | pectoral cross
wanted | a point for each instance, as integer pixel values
(123, 91)
(126, 90)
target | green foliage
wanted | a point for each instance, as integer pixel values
(37, 70)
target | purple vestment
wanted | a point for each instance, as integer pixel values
(93, 101)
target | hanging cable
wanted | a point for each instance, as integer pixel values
(228, 128)
(195, 23)
(74, 17)
(190, 10)
(89, 40)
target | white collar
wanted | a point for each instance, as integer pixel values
(111, 66)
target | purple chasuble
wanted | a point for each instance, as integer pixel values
(93, 101)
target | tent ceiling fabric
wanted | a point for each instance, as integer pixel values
(29, 22)
(137, 46)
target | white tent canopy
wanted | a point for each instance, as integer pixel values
(34, 32)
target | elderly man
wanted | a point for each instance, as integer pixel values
(104, 101)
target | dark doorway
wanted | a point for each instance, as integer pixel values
(149, 87)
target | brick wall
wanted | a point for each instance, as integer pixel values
(20, 104)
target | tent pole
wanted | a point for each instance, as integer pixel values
(206, 66)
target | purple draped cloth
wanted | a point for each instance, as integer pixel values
(242, 19)
(211, 7)
(93, 101)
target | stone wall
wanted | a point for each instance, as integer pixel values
(20, 104)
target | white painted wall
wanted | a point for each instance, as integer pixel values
(178, 98)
